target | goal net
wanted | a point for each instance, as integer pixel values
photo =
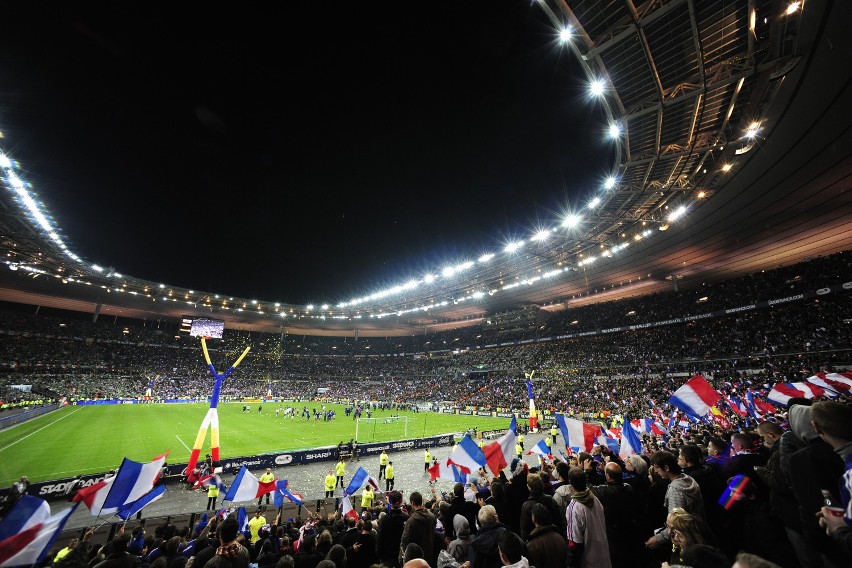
(381, 429)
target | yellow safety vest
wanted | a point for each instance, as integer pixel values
(389, 472)
(366, 498)
(330, 482)
(340, 468)
(383, 459)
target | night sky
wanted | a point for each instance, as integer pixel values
(297, 152)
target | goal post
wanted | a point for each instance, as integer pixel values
(381, 429)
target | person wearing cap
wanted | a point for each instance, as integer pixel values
(389, 474)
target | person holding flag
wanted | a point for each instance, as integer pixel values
(267, 477)
(367, 497)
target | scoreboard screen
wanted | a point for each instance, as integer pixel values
(207, 328)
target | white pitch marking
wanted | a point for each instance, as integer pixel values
(40, 429)
(184, 445)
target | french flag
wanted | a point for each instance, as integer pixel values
(348, 511)
(499, 454)
(247, 487)
(359, 480)
(840, 383)
(781, 393)
(737, 405)
(468, 455)
(630, 443)
(283, 490)
(446, 470)
(540, 449)
(130, 483)
(578, 435)
(28, 531)
(695, 397)
(209, 480)
(131, 509)
(647, 425)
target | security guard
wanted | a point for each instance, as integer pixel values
(521, 440)
(330, 483)
(389, 477)
(553, 432)
(367, 497)
(340, 470)
(428, 458)
(383, 463)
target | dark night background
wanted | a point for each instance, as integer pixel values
(298, 152)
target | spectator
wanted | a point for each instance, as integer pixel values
(511, 549)
(483, 551)
(546, 546)
(587, 542)
(420, 526)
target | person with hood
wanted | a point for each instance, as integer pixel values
(682, 493)
(420, 527)
(458, 548)
(588, 546)
(483, 552)
(546, 545)
(809, 470)
(459, 506)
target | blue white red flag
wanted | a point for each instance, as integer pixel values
(283, 490)
(737, 405)
(359, 480)
(578, 435)
(467, 455)
(131, 509)
(840, 383)
(540, 449)
(781, 393)
(499, 454)
(348, 511)
(130, 483)
(243, 521)
(630, 443)
(247, 487)
(28, 531)
(695, 397)
(447, 470)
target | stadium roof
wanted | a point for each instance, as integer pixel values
(733, 137)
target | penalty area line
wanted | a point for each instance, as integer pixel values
(184, 445)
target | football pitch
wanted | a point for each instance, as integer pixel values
(78, 440)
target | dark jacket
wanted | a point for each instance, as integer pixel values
(459, 506)
(389, 535)
(483, 552)
(547, 548)
(420, 529)
(119, 560)
(621, 508)
(526, 524)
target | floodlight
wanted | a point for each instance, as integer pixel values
(565, 34)
(594, 202)
(486, 257)
(448, 271)
(609, 183)
(571, 221)
(597, 87)
(793, 8)
(512, 247)
(677, 213)
(541, 235)
(614, 130)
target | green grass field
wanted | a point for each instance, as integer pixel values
(92, 439)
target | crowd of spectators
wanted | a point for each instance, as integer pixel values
(702, 495)
(78, 359)
(706, 496)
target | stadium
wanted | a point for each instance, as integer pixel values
(715, 250)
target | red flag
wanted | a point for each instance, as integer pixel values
(494, 457)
